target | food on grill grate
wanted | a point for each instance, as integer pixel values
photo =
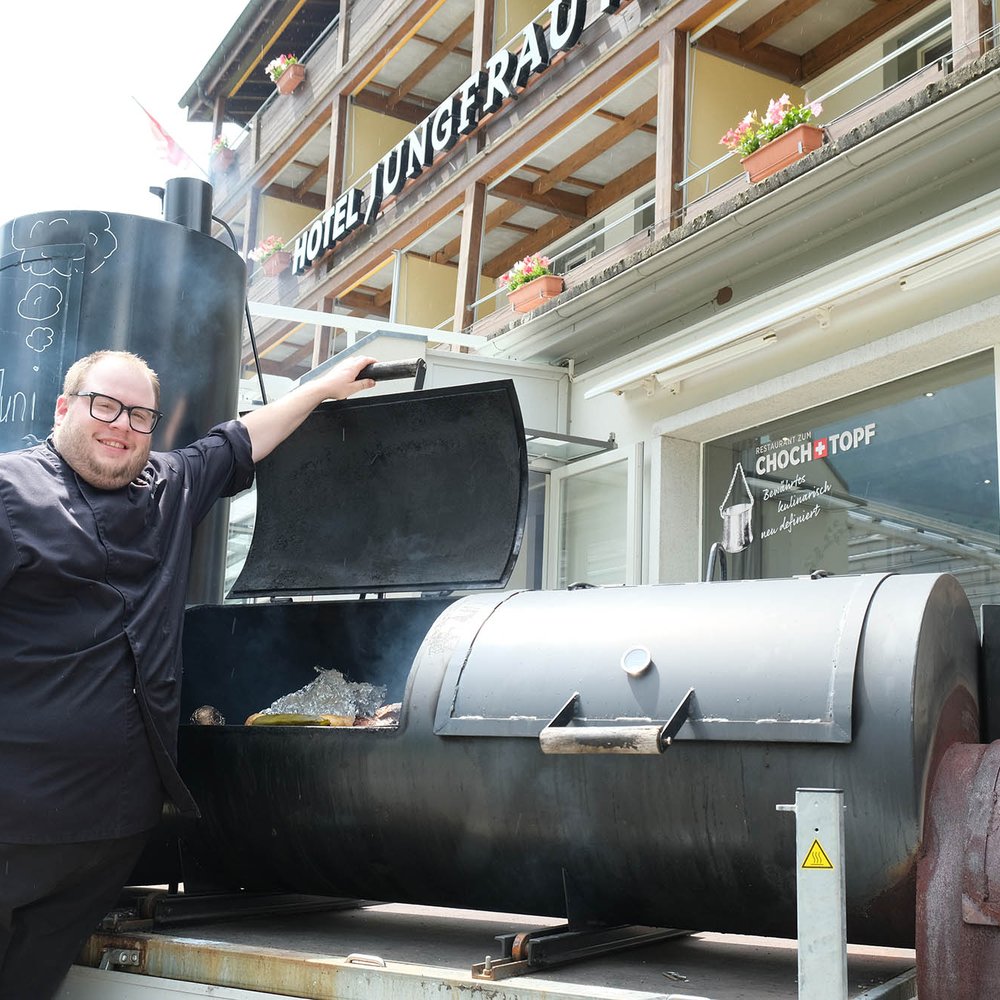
(329, 700)
(207, 715)
(387, 715)
(296, 719)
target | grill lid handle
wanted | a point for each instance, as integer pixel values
(381, 371)
(562, 736)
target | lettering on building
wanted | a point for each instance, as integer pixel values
(796, 501)
(789, 452)
(506, 72)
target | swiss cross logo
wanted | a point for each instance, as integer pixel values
(819, 448)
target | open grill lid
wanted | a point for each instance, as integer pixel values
(406, 492)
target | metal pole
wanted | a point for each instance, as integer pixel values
(820, 893)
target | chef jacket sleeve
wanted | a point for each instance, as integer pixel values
(8, 547)
(217, 465)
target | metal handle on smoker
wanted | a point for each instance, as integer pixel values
(559, 736)
(382, 371)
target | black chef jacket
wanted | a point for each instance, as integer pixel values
(92, 586)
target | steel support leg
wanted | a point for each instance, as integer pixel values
(820, 893)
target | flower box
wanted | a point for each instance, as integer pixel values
(780, 152)
(277, 263)
(291, 78)
(533, 293)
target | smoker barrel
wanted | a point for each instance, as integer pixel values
(76, 282)
(859, 683)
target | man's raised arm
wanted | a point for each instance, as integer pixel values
(271, 424)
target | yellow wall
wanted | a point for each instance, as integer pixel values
(282, 218)
(427, 293)
(512, 16)
(722, 94)
(371, 136)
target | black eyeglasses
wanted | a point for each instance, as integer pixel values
(108, 409)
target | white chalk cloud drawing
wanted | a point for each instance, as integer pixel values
(33, 234)
(41, 301)
(40, 338)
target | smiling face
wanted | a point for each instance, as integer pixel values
(107, 456)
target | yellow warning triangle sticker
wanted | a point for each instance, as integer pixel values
(816, 858)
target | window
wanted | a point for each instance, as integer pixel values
(595, 521)
(900, 478)
(929, 51)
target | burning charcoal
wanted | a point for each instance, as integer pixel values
(207, 716)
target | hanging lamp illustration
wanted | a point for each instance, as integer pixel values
(736, 531)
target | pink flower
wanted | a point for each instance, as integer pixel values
(776, 110)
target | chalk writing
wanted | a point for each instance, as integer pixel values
(16, 406)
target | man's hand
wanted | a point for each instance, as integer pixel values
(340, 381)
(271, 424)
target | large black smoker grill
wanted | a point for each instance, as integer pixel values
(856, 683)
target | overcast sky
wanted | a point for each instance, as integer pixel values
(72, 135)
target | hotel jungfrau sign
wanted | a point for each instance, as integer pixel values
(506, 72)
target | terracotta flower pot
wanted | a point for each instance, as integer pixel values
(780, 152)
(291, 78)
(533, 293)
(276, 263)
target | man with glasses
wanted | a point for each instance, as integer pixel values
(95, 542)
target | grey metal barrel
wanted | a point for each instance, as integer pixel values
(517, 780)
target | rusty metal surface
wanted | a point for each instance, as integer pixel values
(981, 875)
(427, 952)
(960, 864)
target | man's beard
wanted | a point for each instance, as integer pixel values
(77, 448)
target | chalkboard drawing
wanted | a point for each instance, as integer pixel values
(31, 235)
(40, 338)
(41, 301)
(736, 532)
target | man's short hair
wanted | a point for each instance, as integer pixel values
(79, 370)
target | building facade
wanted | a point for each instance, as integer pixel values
(801, 367)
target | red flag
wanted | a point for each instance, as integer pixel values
(170, 150)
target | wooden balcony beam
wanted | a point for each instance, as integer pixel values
(601, 144)
(438, 55)
(494, 219)
(314, 175)
(407, 111)
(557, 202)
(576, 181)
(612, 117)
(544, 235)
(310, 200)
(773, 21)
(858, 34)
(767, 58)
(457, 50)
